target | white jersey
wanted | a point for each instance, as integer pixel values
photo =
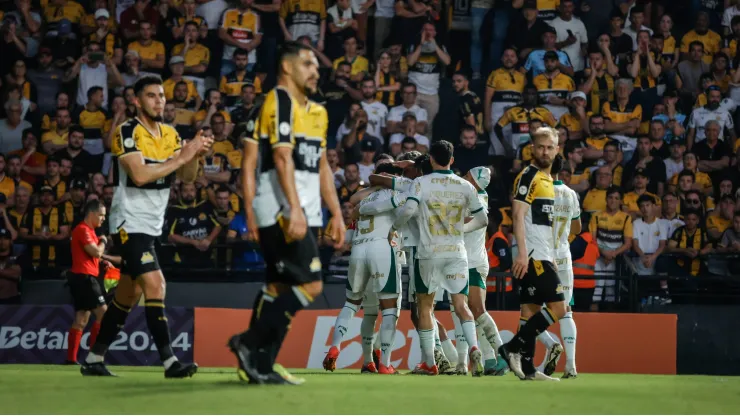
(475, 241)
(443, 199)
(374, 227)
(410, 230)
(567, 209)
(376, 115)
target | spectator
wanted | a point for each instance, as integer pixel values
(54, 181)
(701, 33)
(660, 148)
(43, 227)
(689, 242)
(409, 125)
(212, 105)
(30, 162)
(341, 24)
(377, 112)
(232, 84)
(240, 29)
(83, 163)
(131, 19)
(637, 18)
(631, 203)
(611, 160)
(193, 229)
(223, 211)
(188, 14)
(425, 62)
(12, 127)
(245, 116)
(519, 117)
(151, 52)
(12, 48)
(729, 243)
(703, 182)
(674, 163)
(387, 81)
(470, 107)
(596, 198)
(28, 23)
(721, 219)
(196, 56)
(670, 216)
(713, 154)
(670, 51)
(621, 45)
(298, 19)
(652, 165)
(649, 238)
(73, 209)
(712, 111)
(571, 34)
(503, 89)
(92, 118)
(525, 39)
(10, 272)
(358, 63)
(244, 256)
(177, 69)
(48, 81)
(384, 14)
(394, 123)
(57, 138)
(366, 165)
(332, 157)
(92, 73)
(468, 153)
(691, 69)
(720, 71)
(622, 116)
(554, 86)
(535, 63)
(104, 34)
(132, 69)
(352, 182)
(613, 231)
(598, 79)
(673, 120)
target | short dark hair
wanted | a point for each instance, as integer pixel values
(464, 73)
(613, 144)
(240, 52)
(93, 205)
(686, 172)
(76, 128)
(645, 198)
(146, 81)
(28, 131)
(557, 164)
(92, 90)
(193, 23)
(692, 44)
(12, 156)
(424, 164)
(289, 50)
(613, 189)
(441, 152)
(466, 128)
(408, 139)
(412, 155)
(387, 168)
(383, 156)
(221, 189)
(689, 211)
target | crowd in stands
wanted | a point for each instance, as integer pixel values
(643, 93)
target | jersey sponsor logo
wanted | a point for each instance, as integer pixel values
(315, 265)
(146, 258)
(311, 154)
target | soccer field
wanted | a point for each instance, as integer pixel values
(62, 390)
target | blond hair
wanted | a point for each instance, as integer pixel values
(545, 133)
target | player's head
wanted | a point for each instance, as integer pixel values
(545, 144)
(494, 220)
(411, 172)
(613, 198)
(387, 169)
(150, 97)
(187, 193)
(440, 154)
(424, 164)
(557, 166)
(647, 205)
(94, 213)
(479, 177)
(298, 65)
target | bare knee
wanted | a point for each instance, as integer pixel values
(153, 285)
(528, 310)
(99, 312)
(81, 319)
(461, 307)
(557, 309)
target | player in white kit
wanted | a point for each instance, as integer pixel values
(374, 278)
(566, 221)
(442, 199)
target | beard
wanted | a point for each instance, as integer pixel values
(187, 199)
(73, 147)
(542, 163)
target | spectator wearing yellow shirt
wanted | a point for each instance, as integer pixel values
(575, 118)
(177, 68)
(701, 33)
(702, 181)
(197, 56)
(640, 182)
(596, 142)
(7, 184)
(211, 106)
(719, 221)
(595, 199)
(232, 84)
(359, 63)
(150, 51)
(103, 32)
(622, 116)
(240, 29)
(62, 9)
(573, 154)
(189, 15)
(56, 139)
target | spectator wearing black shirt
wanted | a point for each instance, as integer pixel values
(652, 165)
(48, 81)
(169, 116)
(352, 182)
(74, 207)
(526, 34)
(193, 228)
(661, 149)
(469, 154)
(713, 154)
(338, 96)
(83, 163)
(245, 115)
(470, 107)
(621, 45)
(352, 144)
(12, 47)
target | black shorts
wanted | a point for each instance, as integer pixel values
(293, 263)
(540, 284)
(86, 291)
(137, 253)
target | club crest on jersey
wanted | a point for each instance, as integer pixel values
(129, 143)
(284, 128)
(523, 190)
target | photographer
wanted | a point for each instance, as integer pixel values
(94, 69)
(351, 143)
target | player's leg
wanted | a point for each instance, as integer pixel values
(75, 335)
(388, 288)
(426, 334)
(348, 311)
(568, 331)
(99, 312)
(489, 337)
(461, 345)
(444, 349)
(367, 331)
(519, 355)
(127, 295)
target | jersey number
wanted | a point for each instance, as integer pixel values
(444, 217)
(370, 226)
(561, 224)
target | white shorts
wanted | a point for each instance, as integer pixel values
(443, 274)
(413, 263)
(565, 273)
(373, 268)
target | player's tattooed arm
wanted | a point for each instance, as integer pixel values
(362, 194)
(480, 220)
(381, 206)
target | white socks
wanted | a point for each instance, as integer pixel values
(168, 362)
(547, 339)
(367, 330)
(340, 326)
(568, 333)
(387, 333)
(426, 342)
(460, 343)
(468, 328)
(93, 358)
(490, 331)
(485, 346)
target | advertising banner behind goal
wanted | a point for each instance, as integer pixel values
(38, 335)
(606, 341)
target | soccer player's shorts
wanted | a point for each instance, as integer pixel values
(477, 276)
(87, 294)
(565, 274)
(443, 274)
(540, 284)
(137, 253)
(373, 267)
(293, 263)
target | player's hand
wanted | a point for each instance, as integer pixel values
(403, 164)
(337, 231)
(521, 263)
(297, 226)
(391, 236)
(356, 212)
(192, 148)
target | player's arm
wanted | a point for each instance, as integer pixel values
(381, 181)
(384, 205)
(518, 212)
(329, 195)
(358, 196)
(409, 208)
(477, 210)
(575, 221)
(249, 184)
(93, 250)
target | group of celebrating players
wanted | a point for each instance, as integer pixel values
(417, 212)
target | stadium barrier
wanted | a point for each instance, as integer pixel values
(602, 344)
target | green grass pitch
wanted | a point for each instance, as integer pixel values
(26, 389)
